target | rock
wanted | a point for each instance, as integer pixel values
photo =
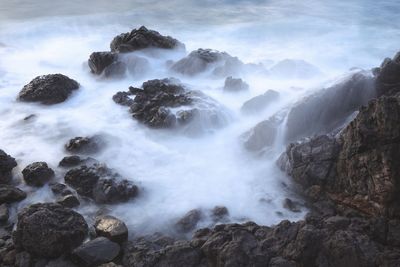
(168, 104)
(291, 205)
(85, 145)
(10, 194)
(219, 63)
(23, 259)
(261, 136)
(48, 89)
(99, 61)
(59, 189)
(101, 184)
(69, 201)
(7, 163)
(116, 70)
(281, 262)
(4, 213)
(136, 66)
(143, 38)
(294, 69)
(37, 174)
(259, 103)
(95, 252)
(49, 230)
(329, 109)
(111, 228)
(71, 161)
(189, 221)
(388, 81)
(235, 85)
(219, 213)
(60, 262)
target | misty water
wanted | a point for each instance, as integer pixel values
(176, 172)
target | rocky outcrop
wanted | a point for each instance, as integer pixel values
(259, 103)
(169, 104)
(49, 230)
(235, 85)
(48, 89)
(37, 174)
(143, 38)
(218, 63)
(100, 183)
(329, 109)
(7, 163)
(388, 76)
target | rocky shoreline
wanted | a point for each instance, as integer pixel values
(347, 172)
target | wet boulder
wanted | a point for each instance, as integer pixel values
(169, 104)
(69, 201)
(294, 69)
(7, 163)
(10, 194)
(101, 183)
(235, 85)
(219, 213)
(48, 89)
(37, 174)
(262, 136)
(388, 76)
(99, 61)
(85, 145)
(143, 38)
(189, 221)
(71, 161)
(218, 63)
(49, 230)
(111, 228)
(95, 252)
(329, 109)
(259, 103)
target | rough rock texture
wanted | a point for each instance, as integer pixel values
(388, 76)
(49, 230)
(143, 38)
(48, 89)
(37, 174)
(330, 108)
(111, 228)
(69, 201)
(235, 85)
(71, 161)
(259, 103)
(99, 61)
(85, 145)
(168, 104)
(7, 163)
(10, 194)
(100, 183)
(201, 60)
(95, 252)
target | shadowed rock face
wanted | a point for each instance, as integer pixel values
(10, 194)
(7, 163)
(49, 230)
(329, 109)
(388, 76)
(143, 38)
(95, 252)
(48, 89)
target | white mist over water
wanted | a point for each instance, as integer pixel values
(178, 173)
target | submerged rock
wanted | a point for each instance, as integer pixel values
(111, 228)
(99, 61)
(189, 221)
(235, 85)
(48, 89)
(143, 38)
(101, 184)
(49, 230)
(294, 69)
(95, 252)
(10, 194)
(7, 163)
(37, 174)
(71, 161)
(259, 103)
(85, 145)
(261, 136)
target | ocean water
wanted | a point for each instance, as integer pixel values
(178, 173)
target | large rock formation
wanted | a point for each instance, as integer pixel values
(48, 89)
(7, 163)
(388, 76)
(169, 104)
(49, 230)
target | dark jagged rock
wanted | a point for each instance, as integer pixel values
(10, 194)
(235, 85)
(189, 221)
(143, 38)
(261, 136)
(330, 108)
(99, 61)
(219, 213)
(101, 184)
(71, 161)
(48, 89)
(85, 145)
(96, 252)
(37, 174)
(111, 228)
(69, 201)
(198, 61)
(388, 76)
(168, 104)
(7, 163)
(259, 103)
(49, 230)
